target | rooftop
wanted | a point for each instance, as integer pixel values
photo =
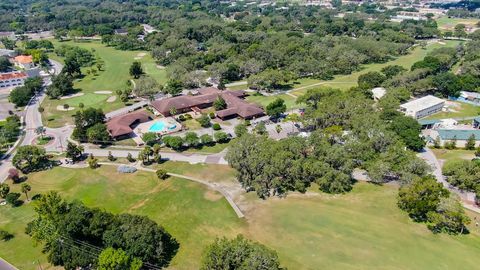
(121, 125)
(422, 103)
(23, 59)
(459, 134)
(13, 75)
(235, 104)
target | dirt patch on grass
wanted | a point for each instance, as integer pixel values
(212, 195)
(138, 204)
(72, 96)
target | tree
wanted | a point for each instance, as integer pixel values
(371, 79)
(5, 65)
(204, 120)
(221, 137)
(409, 130)
(260, 129)
(449, 217)
(173, 87)
(216, 126)
(29, 158)
(278, 129)
(147, 86)
(448, 84)
(13, 174)
(72, 67)
(206, 139)
(392, 70)
(240, 254)
(130, 158)
(241, 129)
(150, 138)
(12, 199)
(174, 142)
(191, 139)
(4, 190)
(421, 197)
(40, 131)
(117, 259)
(313, 96)
(162, 174)
(470, 145)
(98, 133)
(219, 104)
(84, 120)
(92, 162)
(276, 108)
(74, 151)
(9, 44)
(136, 69)
(25, 189)
(62, 84)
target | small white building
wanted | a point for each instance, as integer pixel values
(423, 106)
(12, 79)
(378, 92)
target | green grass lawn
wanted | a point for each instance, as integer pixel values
(451, 155)
(363, 229)
(263, 101)
(112, 78)
(448, 24)
(461, 110)
(190, 212)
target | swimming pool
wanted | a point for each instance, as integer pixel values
(160, 126)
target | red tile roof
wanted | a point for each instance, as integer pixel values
(13, 75)
(23, 59)
(121, 125)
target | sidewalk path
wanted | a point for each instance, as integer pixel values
(467, 198)
(4, 265)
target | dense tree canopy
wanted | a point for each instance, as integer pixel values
(77, 236)
(239, 254)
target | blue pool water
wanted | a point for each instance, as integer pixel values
(160, 126)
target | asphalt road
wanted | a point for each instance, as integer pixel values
(4, 265)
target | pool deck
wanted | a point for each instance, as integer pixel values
(145, 127)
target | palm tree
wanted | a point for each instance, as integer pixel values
(40, 131)
(25, 189)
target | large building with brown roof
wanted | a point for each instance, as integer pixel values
(12, 79)
(236, 105)
(123, 125)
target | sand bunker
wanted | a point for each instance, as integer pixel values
(72, 96)
(111, 99)
(103, 92)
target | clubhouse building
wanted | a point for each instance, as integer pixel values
(236, 104)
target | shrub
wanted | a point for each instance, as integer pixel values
(221, 137)
(212, 115)
(206, 139)
(12, 199)
(204, 120)
(181, 118)
(126, 169)
(130, 158)
(66, 106)
(111, 157)
(150, 138)
(92, 162)
(162, 174)
(188, 116)
(216, 126)
(14, 175)
(5, 236)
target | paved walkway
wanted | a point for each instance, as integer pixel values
(211, 185)
(468, 198)
(4, 265)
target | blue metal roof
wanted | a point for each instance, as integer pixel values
(424, 122)
(459, 134)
